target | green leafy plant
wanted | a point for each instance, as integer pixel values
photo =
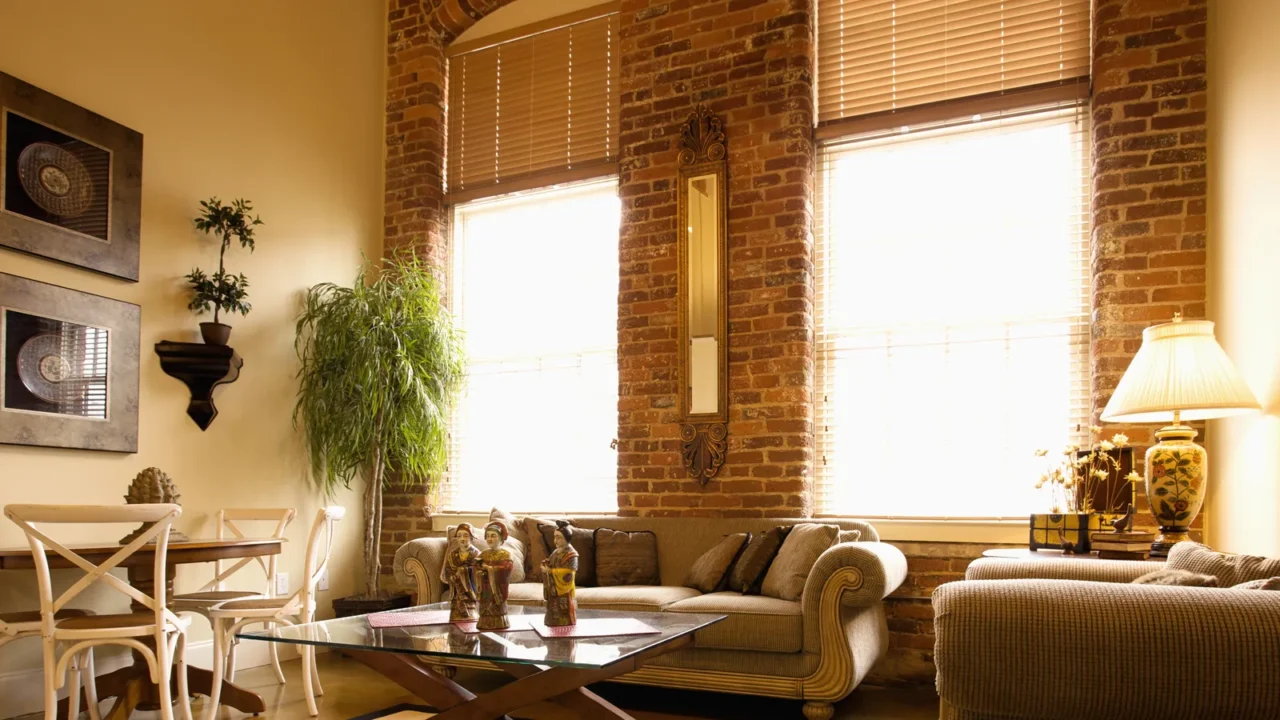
(222, 291)
(381, 365)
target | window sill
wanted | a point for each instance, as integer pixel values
(1012, 531)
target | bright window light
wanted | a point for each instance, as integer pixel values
(953, 300)
(535, 288)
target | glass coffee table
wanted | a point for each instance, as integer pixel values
(555, 670)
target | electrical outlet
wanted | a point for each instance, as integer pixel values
(323, 583)
(282, 583)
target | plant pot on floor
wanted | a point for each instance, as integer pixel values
(215, 333)
(357, 605)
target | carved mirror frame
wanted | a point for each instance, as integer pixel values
(703, 434)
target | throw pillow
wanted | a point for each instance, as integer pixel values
(583, 540)
(538, 550)
(1229, 569)
(710, 572)
(1262, 584)
(512, 546)
(846, 536)
(515, 526)
(1182, 578)
(626, 558)
(786, 575)
(749, 570)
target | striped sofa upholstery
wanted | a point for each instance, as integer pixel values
(1062, 640)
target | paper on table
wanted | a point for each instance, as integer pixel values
(596, 627)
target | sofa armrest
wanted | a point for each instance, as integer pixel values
(1068, 649)
(871, 570)
(1110, 571)
(418, 563)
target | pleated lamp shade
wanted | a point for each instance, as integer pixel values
(1180, 366)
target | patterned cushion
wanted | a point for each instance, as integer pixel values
(788, 571)
(711, 570)
(626, 558)
(749, 570)
(1263, 584)
(1181, 578)
(583, 540)
(1229, 569)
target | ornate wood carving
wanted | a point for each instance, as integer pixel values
(701, 138)
(703, 446)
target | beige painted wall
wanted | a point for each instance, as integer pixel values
(1244, 212)
(280, 102)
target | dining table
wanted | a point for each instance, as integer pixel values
(131, 685)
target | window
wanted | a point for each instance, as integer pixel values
(535, 288)
(953, 301)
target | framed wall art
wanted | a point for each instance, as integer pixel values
(68, 368)
(70, 182)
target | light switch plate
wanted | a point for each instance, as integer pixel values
(323, 582)
(282, 583)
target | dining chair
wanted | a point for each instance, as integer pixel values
(68, 642)
(231, 616)
(215, 591)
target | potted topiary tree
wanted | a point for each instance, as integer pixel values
(222, 291)
(381, 364)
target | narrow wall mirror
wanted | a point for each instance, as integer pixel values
(703, 243)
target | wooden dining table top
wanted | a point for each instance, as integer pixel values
(180, 553)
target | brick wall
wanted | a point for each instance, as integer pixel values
(1149, 194)
(751, 61)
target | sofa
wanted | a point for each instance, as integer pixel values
(1067, 639)
(816, 649)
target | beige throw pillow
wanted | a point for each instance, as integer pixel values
(1181, 578)
(710, 572)
(1263, 584)
(1229, 569)
(538, 550)
(805, 542)
(515, 526)
(626, 558)
(848, 536)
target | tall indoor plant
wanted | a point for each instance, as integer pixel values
(381, 364)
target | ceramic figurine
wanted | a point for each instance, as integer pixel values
(494, 575)
(559, 572)
(459, 573)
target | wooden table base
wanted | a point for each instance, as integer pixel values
(132, 688)
(534, 684)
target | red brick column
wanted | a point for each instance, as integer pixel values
(751, 61)
(1148, 182)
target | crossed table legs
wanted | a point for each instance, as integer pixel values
(563, 686)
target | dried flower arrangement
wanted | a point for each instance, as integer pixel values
(1078, 475)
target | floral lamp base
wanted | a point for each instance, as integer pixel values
(1177, 471)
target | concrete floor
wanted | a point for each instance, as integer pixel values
(352, 690)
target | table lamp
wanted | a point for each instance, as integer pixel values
(1180, 373)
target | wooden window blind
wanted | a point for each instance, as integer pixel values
(952, 319)
(880, 57)
(537, 109)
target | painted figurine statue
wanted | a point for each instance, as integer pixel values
(559, 572)
(494, 575)
(459, 573)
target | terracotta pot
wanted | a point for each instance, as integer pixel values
(215, 333)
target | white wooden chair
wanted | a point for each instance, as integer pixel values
(231, 616)
(215, 591)
(69, 642)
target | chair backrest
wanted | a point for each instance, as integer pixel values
(31, 517)
(319, 544)
(227, 519)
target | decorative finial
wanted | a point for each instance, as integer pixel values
(152, 486)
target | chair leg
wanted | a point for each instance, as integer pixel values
(219, 665)
(274, 649)
(232, 644)
(90, 680)
(308, 660)
(180, 667)
(73, 692)
(315, 673)
(50, 690)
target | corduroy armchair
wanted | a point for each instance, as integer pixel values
(1070, 639)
